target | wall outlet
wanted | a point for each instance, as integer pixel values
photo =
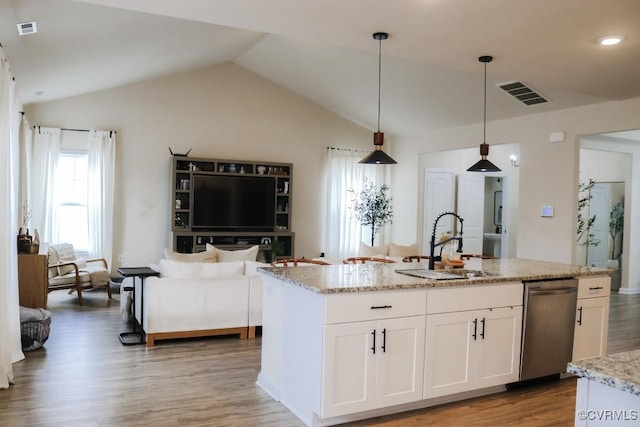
(120, 258)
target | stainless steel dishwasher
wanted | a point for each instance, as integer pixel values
(548, 325)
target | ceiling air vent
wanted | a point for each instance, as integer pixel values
(522, 92)
(27, 28)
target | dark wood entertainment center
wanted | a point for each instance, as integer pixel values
(276, 241)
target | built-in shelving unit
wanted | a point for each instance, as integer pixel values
(275, 242)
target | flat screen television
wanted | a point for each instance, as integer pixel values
(238, 203)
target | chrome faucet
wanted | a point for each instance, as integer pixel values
(434, 245)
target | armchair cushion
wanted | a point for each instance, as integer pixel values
(70, 278)
(62, 253)
(67, 264)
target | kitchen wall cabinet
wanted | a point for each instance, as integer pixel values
(469, 349)
(592, 318)
(372, 364)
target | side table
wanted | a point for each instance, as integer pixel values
(136, 337)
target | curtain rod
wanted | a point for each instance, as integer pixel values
(348, 149)
(111, 132)
(76, 130)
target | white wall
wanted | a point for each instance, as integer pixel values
(548, 172)
(228, 112)
(458, 160)
(221, 111)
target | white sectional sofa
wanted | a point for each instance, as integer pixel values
(196, 299)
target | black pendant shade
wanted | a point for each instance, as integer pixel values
(484, 165)
(379, 157)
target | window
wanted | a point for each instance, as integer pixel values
(345, 172)
(70, 203)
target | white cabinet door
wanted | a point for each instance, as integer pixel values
(372, 364)
(498, 349)
(448, 353)
(472, 349)
(349, 368)
(400, 360)
(591, 332)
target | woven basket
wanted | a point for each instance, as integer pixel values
(35, 334)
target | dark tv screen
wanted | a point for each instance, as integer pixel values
(233, 203)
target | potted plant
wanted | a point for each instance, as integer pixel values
(372, 206)
(278, 248)
(616, 224)
(585, 219)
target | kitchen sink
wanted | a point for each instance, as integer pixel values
(444, 275)
(469, 274)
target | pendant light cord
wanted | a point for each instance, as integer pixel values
(484, 130)
(379, 77)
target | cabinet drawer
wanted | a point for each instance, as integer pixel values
(360, 306)
(593, 287)
(474, 297)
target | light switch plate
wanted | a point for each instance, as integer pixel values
(546, 211)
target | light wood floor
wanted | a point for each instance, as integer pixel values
(85, 377)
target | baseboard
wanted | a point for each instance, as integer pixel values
(629, 291)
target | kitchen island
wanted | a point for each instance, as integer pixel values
(348, 342)
(608, 391)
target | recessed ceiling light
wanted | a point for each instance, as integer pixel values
(610, 40)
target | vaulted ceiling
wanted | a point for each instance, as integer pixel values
(324, 51)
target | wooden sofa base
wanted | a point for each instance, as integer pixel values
(244, 332)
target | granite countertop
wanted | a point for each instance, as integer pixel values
(382, 277)
(619, 370)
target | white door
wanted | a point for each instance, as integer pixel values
(497, 359)
(449, 337)
(439, 193)
(600, 206)
(591, 333)
(471, 209)
(400, 360)
(349, 368)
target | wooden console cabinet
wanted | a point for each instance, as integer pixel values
(33, 280)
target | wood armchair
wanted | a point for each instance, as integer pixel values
(365, 259)
(295, 262)
(66, 271)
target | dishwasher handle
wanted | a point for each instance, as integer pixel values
(552, 291)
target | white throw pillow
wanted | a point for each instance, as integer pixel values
(206, 256)
(66, 269)
(251, 267)
(403, 251)
(240, 255)
(169, 268)
(377, 251)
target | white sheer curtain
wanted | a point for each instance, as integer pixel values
(344, 172)
(10, 346)
(101, 181)
(44, 152)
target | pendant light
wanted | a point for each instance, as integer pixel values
(484, 165)
(379, 157)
